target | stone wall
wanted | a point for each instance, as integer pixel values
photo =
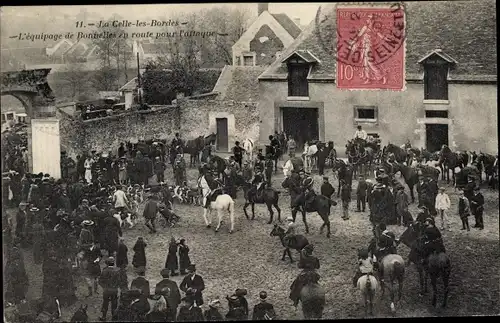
(196, 118)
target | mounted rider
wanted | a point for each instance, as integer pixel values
(259, 161)
(214, 184)
(308, 263)
(386, 245)
(291, 228)
(275, 144)
(433, 241)
(258, 183)
(365, 265)
(307, 187)
(360, 137)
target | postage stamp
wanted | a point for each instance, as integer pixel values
(371, 48)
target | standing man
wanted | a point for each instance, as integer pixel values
(109, 281)
(322, 155)
(179, 169)
(269, 165)
(151, 209)
(177, 143)
(433, 191)
(345, 194)
(193, 283)
(169, 289)
(327, 188)
(291, 146)
(477, 207)
(238, 153)
(361, 194)
(120, 199)
(442, 206)
(402, 202)
(159, 169)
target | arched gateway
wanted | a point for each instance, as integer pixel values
(32, 89)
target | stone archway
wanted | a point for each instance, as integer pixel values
(32, 89)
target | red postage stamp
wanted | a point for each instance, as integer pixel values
(371, 48)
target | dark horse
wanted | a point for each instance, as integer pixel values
(410, 174)
(321, 204)
(361, 155)
(450, 161)
(218, 165)
(399, 153)
(268, 196)
(194, 146)
(345, 172)
(299, 243)
(437, 265)
(487, 161)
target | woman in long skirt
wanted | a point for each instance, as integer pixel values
(171, 263)
(184, 256)
(139, 259)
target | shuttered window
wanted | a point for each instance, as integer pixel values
(297, 80)
(436, 82)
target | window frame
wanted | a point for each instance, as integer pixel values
(430, 70)
(297, 63)
(248, 55)
(357, 119)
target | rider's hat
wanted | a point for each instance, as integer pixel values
(289, 219)
(430, 220)
(87, 222)
(34, 209)
(263, 295)
(110, 261)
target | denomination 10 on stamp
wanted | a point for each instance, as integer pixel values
(371, 48)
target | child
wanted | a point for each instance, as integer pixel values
(345, 194)
(365, 265)
(442, 205)
(463, 210)
(139, 259)
(184, 260)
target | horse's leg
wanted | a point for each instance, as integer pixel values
(434, 288)
(294, 214)
(205, 211)
(231, 218)
(400, 284)
(284, 255)
(327, 222)
(412, 194)
(245, 209)
(219, 217)
(279, 211)
(426, 276)
(289, 254)
(271, 212)
(421, 279)
(304, 220)
(446, 281)
(393, 306)
(129, 221)
(253, 211)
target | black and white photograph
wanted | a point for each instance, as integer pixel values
(249, 161)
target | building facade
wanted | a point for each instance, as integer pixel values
(451, 86)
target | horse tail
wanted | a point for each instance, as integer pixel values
(368, 287)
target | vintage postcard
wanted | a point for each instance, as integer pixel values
(251, 161)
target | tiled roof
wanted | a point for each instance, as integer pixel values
(288, 24)
(243, 85)
(464, 30)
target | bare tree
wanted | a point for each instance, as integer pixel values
(75, 76)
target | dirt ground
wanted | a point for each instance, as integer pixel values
(249, 258)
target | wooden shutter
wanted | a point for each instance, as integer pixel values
(297, 80)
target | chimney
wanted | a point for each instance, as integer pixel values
(296, 21)
(263, 7)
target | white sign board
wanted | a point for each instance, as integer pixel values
(46, 147)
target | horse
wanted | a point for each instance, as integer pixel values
(451, 160)
(410, 175)
(249, 147)
(312, 297)
(400, 154)
(438, 265)
(221, 203)
(321, 204)
(487, 161)
(352, 155)
(81, 314)
(394, 269)
(219, 164)
(344, 171)
(194, 146)
(368, 286)
(299, 243)
(268, 196)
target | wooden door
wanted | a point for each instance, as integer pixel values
(222, 134)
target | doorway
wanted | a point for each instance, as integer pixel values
(222, 134)
(436, 136)
(302, 124)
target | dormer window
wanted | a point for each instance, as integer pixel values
(299, 64)
(436, 68)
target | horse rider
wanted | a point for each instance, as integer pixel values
(387, 244)
(307, 187)
(275, 143)
(383, 177)
(289, 238)
(378, 198)
(307, 275)
(360, 136)
(257, 182)
(214, 184)
(259, 161)
(365, 265)
(246, 171)
(433, 241)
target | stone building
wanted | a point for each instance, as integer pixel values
(265, 38)
(450, 96)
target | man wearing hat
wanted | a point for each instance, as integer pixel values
(109, 281)
(361, 194)
(246, 171)
(402, 202)
(379, 197)
(159, 169)
(263, 310)
(327, 188)
(307, 260)
(477, 207)
(433, 241)
(169, 289)
(141, 283)
(307, 188)
(442, 206)
(193, 283)
(238, 153)
(212, 313)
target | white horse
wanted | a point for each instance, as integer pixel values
(249, 146)
(288, 168)
(222, 203)
(309, 157)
